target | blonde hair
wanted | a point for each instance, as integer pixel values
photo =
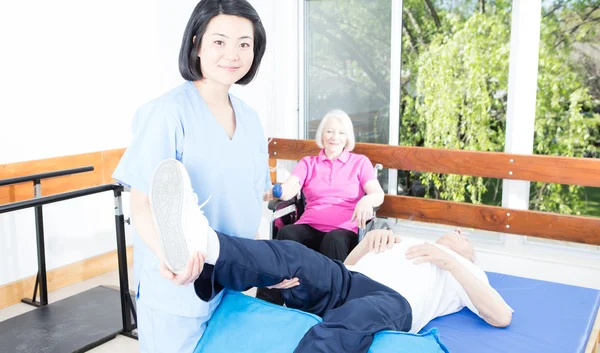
(345, 120)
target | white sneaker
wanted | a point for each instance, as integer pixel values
(180, 222)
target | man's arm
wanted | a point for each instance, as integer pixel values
(492, 308)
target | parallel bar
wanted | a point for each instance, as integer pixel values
(56, 198)
(581, 171)
(576, 229)
(126, 304)
(41, 247)
(55, 174)
(35, 288)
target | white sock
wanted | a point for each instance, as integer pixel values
(213, 246)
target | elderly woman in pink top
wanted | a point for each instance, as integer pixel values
(340, 188)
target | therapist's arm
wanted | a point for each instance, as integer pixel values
(141, 218)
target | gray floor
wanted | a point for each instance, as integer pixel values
(120, 344)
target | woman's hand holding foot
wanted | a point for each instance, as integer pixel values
(192, 271)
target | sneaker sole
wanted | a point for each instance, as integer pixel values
(166, 200)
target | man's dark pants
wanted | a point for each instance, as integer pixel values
(353, 306)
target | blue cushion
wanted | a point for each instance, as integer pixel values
(245, 324)
(402, 342)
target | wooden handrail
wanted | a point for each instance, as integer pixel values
(577, 229)
(548, 169)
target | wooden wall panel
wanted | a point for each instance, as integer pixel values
(110, 159)
(103, 162)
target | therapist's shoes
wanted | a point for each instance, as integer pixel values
(180, 222)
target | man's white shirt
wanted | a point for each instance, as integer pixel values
(430, 291)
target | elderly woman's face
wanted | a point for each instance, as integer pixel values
(334, 136)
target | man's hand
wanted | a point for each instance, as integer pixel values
(431, 253)
(363, 212)
(192, 271)
(381, 239)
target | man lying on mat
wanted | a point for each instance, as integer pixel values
(401, 288)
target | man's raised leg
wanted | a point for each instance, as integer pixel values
(245, 263)
(353, 306)
(237, 263)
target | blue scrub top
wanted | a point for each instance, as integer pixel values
(234, 171)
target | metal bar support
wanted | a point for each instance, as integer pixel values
(41, 279)
(127, 307)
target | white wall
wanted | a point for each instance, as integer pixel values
(72, 75)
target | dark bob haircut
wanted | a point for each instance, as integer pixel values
(189, 62)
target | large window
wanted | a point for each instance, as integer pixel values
(568, 99)
(454, 89)
(347, 64)
(567, 121)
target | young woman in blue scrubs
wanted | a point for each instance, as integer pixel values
(220, 141)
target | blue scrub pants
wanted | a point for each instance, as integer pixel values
(353, 306)
(163, 332)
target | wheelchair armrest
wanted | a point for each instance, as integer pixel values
(275, 205)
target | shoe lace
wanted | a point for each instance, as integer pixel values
(203, 204)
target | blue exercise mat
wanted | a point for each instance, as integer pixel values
(549, 318)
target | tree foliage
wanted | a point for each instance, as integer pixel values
(456, 95)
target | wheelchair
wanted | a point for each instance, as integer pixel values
(288, 212)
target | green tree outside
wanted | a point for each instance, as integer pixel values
(460, 95)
